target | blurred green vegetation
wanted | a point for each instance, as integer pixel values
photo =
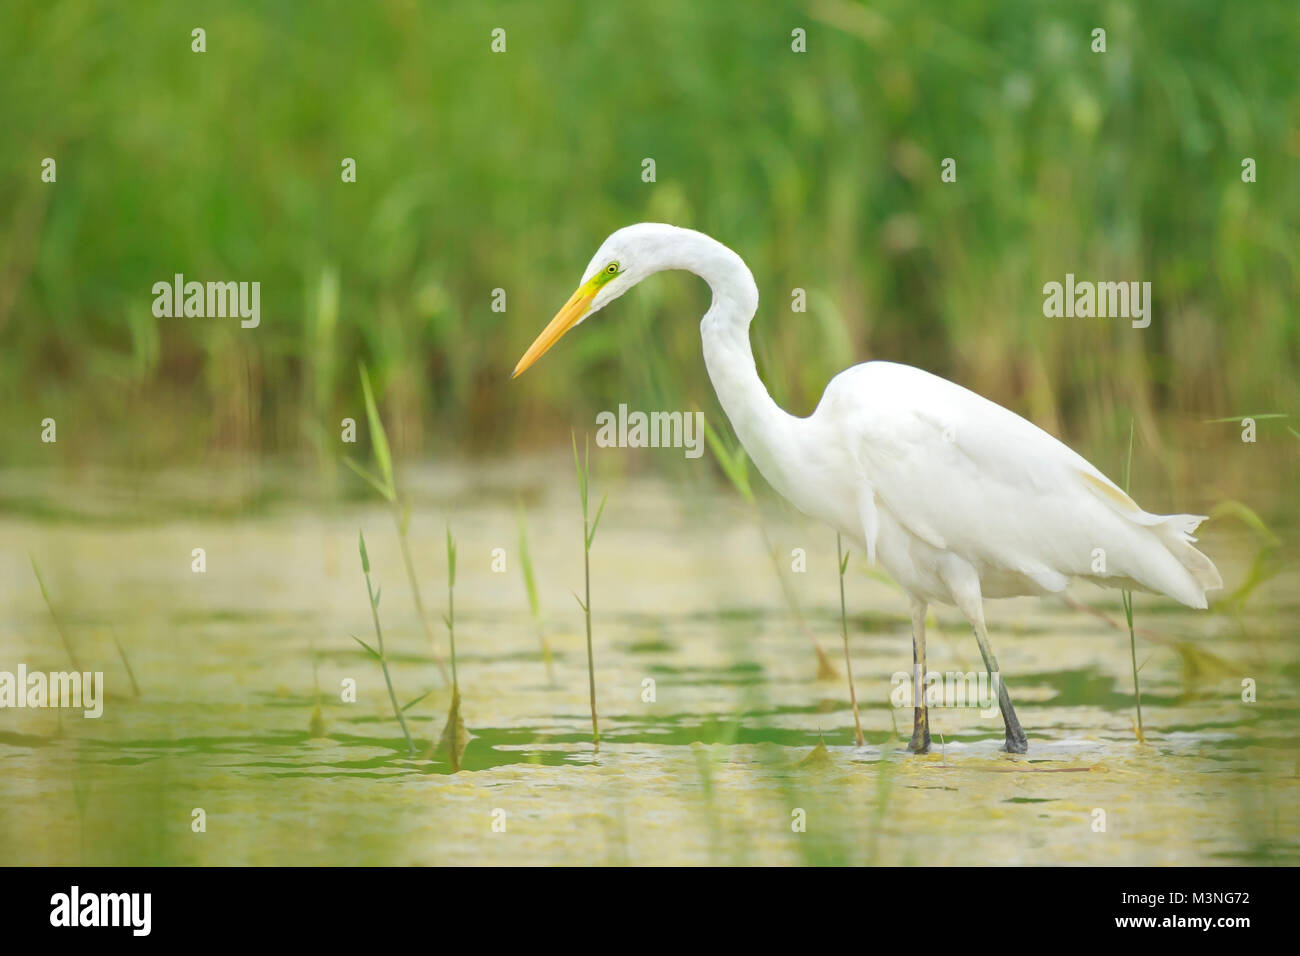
(479, 171)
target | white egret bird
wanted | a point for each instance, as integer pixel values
(956, 497)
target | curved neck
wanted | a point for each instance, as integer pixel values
(762, 426)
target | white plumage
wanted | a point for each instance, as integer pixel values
(956, 497)
(944, 472)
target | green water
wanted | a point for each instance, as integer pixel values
(716, 768)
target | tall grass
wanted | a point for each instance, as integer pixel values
(316, 724)
(450, 618)
(589, 526)
(455, 737)
(67, 642)
(379, 654)
(534, 597)
(823, 173)
(385, 483)
(58, 624)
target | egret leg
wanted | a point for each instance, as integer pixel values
(1016, 742)
(920, 718)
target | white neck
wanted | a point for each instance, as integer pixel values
(762, 426)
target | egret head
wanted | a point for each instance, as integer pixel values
(623, 260)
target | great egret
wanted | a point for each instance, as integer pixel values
(956, 497)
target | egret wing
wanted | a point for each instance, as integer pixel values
(965, 475)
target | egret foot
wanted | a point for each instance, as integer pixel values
(920, 743)
(1016, 742)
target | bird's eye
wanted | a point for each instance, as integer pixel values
(612, 269)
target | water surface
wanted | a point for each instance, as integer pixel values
(719, 767)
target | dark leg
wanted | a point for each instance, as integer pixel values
(1016, 742)
(920, 717)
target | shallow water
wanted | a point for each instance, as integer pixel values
(718, 767)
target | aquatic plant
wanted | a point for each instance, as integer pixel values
(379, 639)
(58, 625)
(385, 483)
(316, 725)
(455, 738)
(534, 599)
(583, 469)
(63, 635)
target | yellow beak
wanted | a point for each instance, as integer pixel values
(564, 320)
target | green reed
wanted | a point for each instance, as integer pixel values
(454, 737)
(379, 654)
(589, 526)
(534, 598)
(63, 634)
(385, 483)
